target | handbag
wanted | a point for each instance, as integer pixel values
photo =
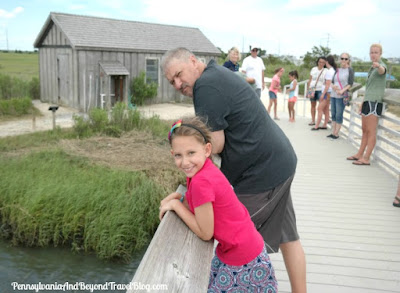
(311, 91)
(345, 96)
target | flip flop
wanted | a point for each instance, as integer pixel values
(352, 158)
(397, 205)
(359, 163)
(323, 127)
(314, 128)
(311, 123)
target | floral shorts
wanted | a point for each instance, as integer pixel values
(255, 276)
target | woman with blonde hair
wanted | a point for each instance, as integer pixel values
(233, 59)
(372, 106)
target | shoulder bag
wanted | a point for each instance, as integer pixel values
(345, 95)
(311, 90)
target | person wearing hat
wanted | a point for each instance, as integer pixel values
(253, 66)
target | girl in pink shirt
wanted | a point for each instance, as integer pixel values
(210, 209)
(273, 91)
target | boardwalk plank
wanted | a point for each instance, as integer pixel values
(344, 215)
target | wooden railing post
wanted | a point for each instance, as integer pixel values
(379, 133)
(353, 115)
(176, 258)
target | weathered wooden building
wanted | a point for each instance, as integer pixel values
(87, 62)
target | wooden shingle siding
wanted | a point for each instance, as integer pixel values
(82, 42)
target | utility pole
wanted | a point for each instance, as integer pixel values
(327, 41)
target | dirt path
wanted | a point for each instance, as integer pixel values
(64, 119)
(44, 122)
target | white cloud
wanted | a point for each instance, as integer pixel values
(12, 14)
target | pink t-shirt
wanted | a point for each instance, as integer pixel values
(239, 241)
(276, 81)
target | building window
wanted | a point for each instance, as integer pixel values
(152, 71)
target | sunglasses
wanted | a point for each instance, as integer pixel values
(344, 59)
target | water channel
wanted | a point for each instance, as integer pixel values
(25, 265)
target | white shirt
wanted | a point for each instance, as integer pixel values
(315, 72)
(254, 67)
(328, 76)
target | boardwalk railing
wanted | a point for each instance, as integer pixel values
(176, 259)
(387, 149)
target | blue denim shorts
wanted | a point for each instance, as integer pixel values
(317, 95)
(272, 95)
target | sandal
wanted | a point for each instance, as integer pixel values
(352, 158)
(311, 123)
(397, 205)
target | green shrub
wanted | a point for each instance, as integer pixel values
(132, 119)
(117, 114)
(112, 130)
(15, 107)
(81, 126)
(5, 88)
(5, 107)
(141, 90)
(98, 119)
(14, 87)
(34, 88)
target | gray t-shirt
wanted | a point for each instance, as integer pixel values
(346, 76)
(257, 155)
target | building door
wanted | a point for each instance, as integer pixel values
(62, 79)
(118, 88)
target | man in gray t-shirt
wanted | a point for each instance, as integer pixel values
(257, 157)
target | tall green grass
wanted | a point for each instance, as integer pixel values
(51, 198)
(122, 119)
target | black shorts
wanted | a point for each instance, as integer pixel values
(372, 108)
(273, 215)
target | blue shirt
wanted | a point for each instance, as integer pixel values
(232, 66)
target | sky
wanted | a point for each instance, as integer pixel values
(283, 27)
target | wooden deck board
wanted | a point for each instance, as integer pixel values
(347, 224)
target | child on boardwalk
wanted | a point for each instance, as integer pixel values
(293, 93)
(210, 209)
(274, 88)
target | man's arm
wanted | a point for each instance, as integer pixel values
(217, 141)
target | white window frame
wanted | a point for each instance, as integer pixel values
(158, 68)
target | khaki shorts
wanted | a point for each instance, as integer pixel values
(273, 215)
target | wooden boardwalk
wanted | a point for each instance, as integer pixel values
(348, 227)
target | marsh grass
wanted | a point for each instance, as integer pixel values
(51, 198)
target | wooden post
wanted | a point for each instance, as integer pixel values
(54, 120)
(176, 258)
(379, 133)
(33, 122)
